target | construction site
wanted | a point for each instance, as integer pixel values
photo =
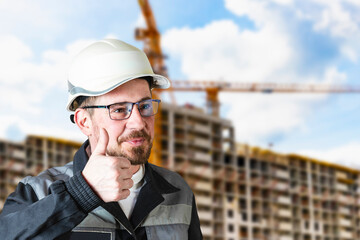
(242, 192)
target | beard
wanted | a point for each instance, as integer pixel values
(136, 155)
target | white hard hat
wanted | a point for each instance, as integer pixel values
(105, 65)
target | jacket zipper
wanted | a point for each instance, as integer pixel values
(130, 232)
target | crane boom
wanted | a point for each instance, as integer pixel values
(179, 85)
(212, 89)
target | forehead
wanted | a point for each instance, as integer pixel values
(132, 91)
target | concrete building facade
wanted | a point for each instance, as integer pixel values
(31, 157)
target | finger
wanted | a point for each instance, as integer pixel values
(125, 174)
(124, 163)
(123, 194)
(102, 143)
(118, 163)
(127, 184)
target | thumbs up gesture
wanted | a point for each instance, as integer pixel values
(108, 176)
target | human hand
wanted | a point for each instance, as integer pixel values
(109, 177)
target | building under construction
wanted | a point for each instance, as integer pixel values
(242, 193)
(31, 157)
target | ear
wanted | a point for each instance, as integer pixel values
(82, 119)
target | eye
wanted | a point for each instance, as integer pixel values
(145, 105)
(119, 109)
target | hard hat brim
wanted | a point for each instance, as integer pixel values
(159, 82)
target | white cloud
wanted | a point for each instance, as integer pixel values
(283, 2)
(24, 82)
(355, 3)
(347, 154)
(258, 116)
(258, 11)
(221, 50)
(337, 19)
(21, 100)
(28, 128)
(30, 18)
(50, 23)
(349, 52)
(333, 76)
(13, 51)
(25, 11)
(140, 22)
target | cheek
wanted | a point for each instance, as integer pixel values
(115, 131)
(151, 127)
(113, 128)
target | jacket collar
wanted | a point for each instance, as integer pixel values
(161, 185)
(149, 197)
(81, 158)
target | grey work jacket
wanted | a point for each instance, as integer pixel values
(59, 204)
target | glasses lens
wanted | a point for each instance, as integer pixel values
(120, 111)
(148, 107)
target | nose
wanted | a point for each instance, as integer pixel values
(135, 121)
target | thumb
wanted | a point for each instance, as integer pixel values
(102, 143)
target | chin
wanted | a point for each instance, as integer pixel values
(139, 156)
(137, 163)
(136, 156)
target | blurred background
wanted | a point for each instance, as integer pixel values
(280, 41)
(283, 42)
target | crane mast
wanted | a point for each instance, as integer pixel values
(152, 48)
(151, 38)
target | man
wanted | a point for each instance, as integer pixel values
(109, 191)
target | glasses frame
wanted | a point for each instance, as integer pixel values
(132, 107)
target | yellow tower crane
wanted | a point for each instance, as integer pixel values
(152, 47)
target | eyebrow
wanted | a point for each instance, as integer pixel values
(142, 99)
(145, 98)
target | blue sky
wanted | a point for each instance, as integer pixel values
(284, 41)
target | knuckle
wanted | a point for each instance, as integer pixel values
(125, 174)
(125, 193)
(130, 183)
(125, 163)
(122, 194)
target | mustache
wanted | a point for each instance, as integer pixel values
(135, 134)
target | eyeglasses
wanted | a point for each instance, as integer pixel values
(121, 111)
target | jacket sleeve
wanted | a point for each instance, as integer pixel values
(26, 217)
(194, 231)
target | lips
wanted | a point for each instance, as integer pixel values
(136, 141)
